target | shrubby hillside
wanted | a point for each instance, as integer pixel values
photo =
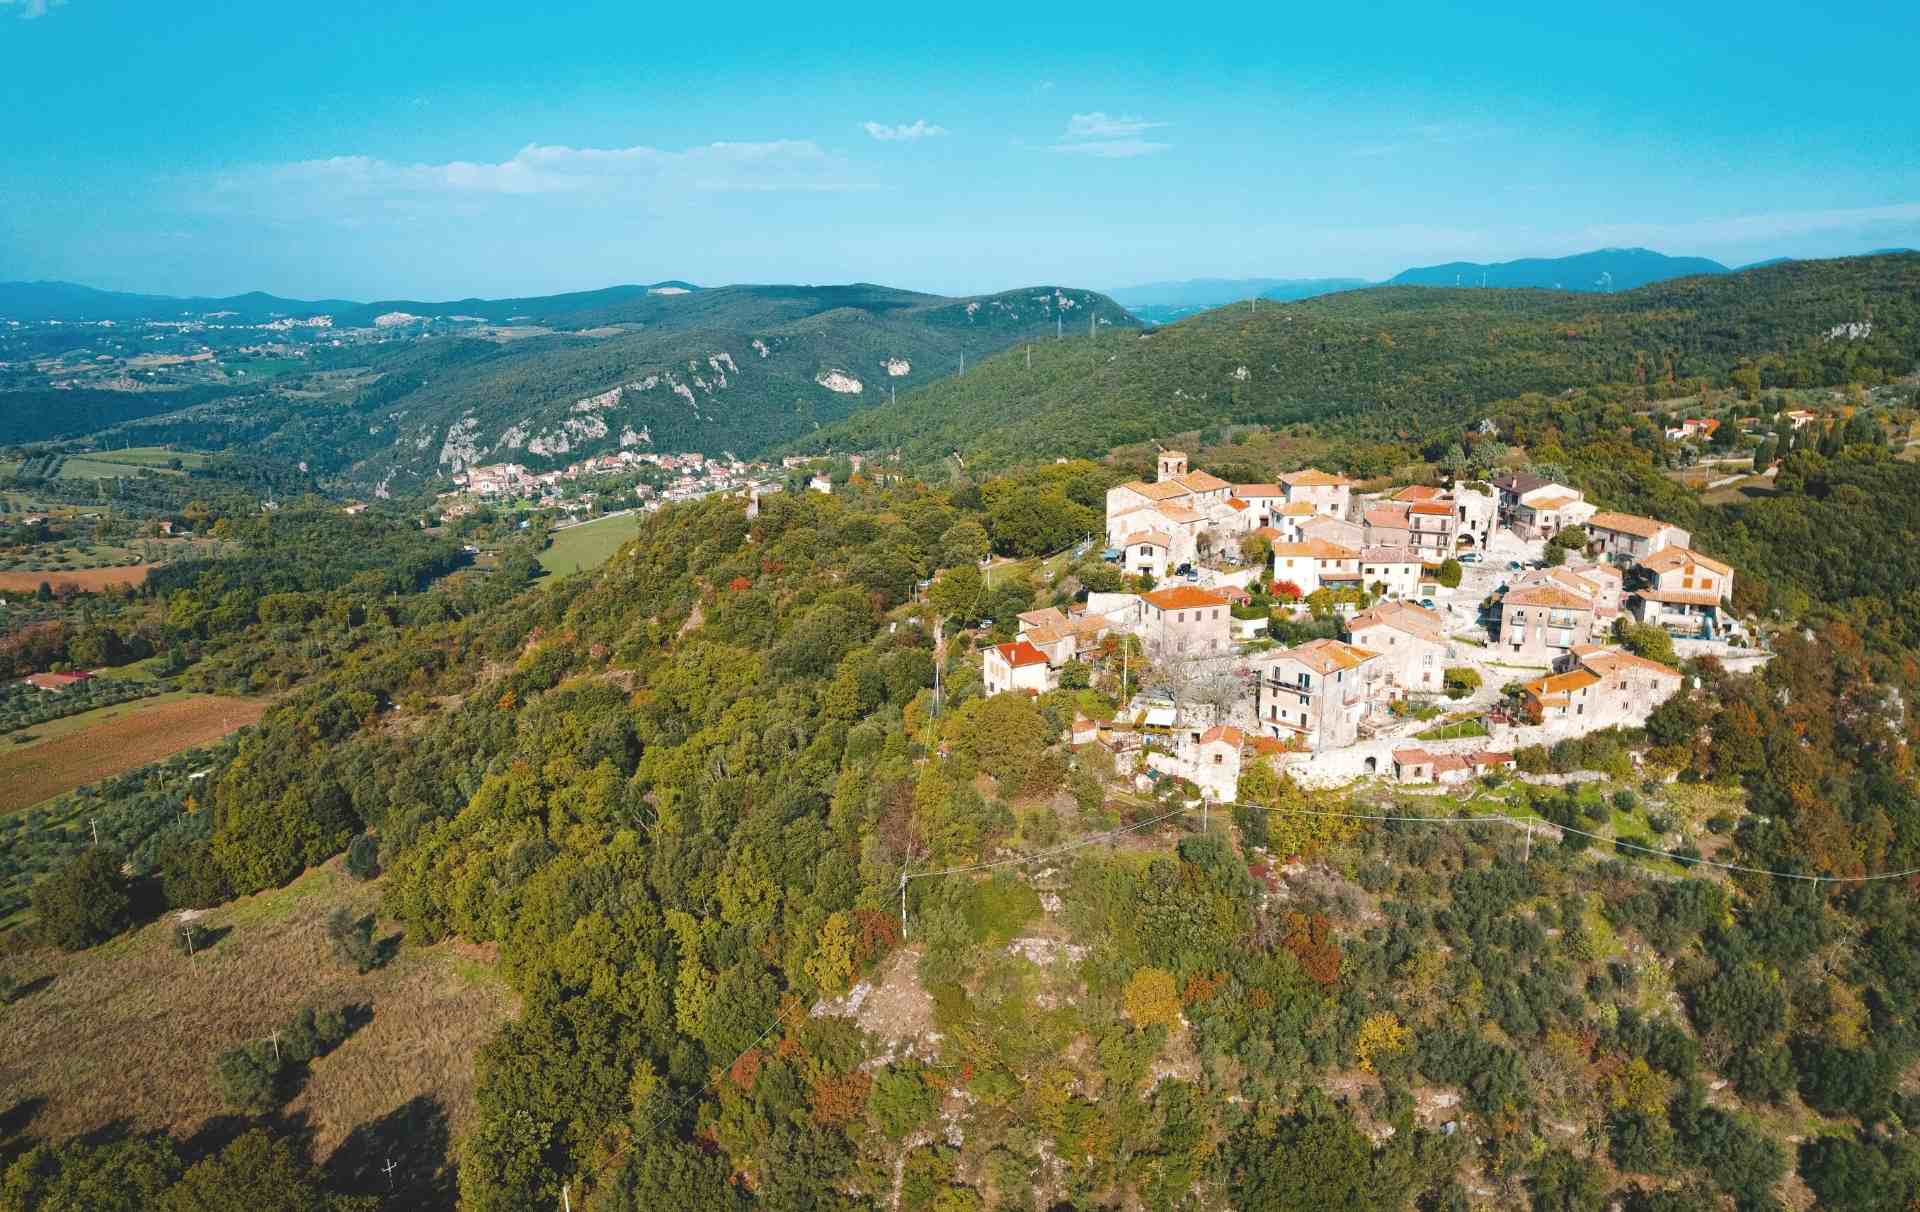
(1378, 362)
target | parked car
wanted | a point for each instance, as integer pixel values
(1427, 602)
(1514, 566)
(1471, 557)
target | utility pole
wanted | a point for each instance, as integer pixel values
(276, 1047)
(95, 822)
(1029, 355)
(1056, 328)
(1529, 854)
(389, 1168)
(903, 902)
(188, 931)
(963, 364)
(566, 1197)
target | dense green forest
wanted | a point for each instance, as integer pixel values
(1378, 363)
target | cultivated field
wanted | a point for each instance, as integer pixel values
(23, 581)
(125, 1035)
(93, 745)
(588, 545)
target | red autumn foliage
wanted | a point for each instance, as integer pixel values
(1286, 591)
(739, 583)
(746, 1069)
(878, 932)
(840, 1099)
(1311, 941)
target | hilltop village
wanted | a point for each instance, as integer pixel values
(1468, 621)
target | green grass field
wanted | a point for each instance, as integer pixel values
(150, 456)
(589, 545)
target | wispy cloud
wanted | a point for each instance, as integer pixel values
(640, 173)
(1097, 125)
(904, 132)
(1109, 137)
(29, 9)
(1112, 149)
(1426, 134)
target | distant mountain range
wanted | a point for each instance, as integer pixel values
(1602, 270)
(66, 301)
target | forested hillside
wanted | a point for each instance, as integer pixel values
(736, 369)
(1375, 362)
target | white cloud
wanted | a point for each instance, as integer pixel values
(1097, 125)
(919, 129)
(339, 185)
(1112, 149)
(29, 9)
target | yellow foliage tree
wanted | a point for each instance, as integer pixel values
(1152, 997)
(1292, 833)
(831, 965)
(1380, 1035)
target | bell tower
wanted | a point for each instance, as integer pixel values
(1172, 463)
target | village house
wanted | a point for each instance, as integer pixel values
(1186, 620)
(1416, 765)
(1800, 417)
(1430, 524)
(1332, 530)
(1539, 623)
(1411, 644)
(1627, 538)
(1316, 694)
(1600, 584)
(55, 683)
(1264, 501)
(1693, 427)
(1683, 592)
(1312, 563)
(1386, 525)
(1538, 508)
(1017, 666)
(1326, 493)
(1216, 764)
(1604, 688)
(1398, 572)
(1063, 637)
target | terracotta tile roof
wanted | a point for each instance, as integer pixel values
(1559, 684)
(54, 681)
(1443, 762)
(1681, 597)
(1547, 595)
(1297, 509)
(1420, 492)
(1628, 523)
(1546, 503)
(1201, 481)
(1414, 620)
(1267, 532)
(1390, 555)
(1019, 654)
(1235, 503)
(1319, 549)
(1489, 757)
(1612, 659)
(1409, 757)
(1163, 491)
(1049, 617)
(1387, 515)
(1258, 490)
(1326, 656)
(1178, 513)
(1668, 558)
(1431, 509)
(1222, 732)
(1184, 597)
(1312, 477)
(1144, 538)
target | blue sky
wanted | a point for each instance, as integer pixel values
(432, 149)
